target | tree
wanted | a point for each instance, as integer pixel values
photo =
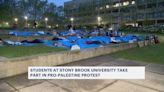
(36, 10)
(6, 10)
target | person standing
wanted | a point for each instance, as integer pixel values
(35, 24)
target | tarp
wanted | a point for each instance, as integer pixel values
(17, 33)
(102, 39)
(83, 45)
(8, 42)
(66, 43)
(28, 44)
(49, 43)
(129, 38)
(72, 38)
(26, 33)
(64, 33)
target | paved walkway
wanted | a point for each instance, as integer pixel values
(154, 80)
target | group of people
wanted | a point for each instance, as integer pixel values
(100, 31)
(108, 32)
(97, 31)
(152, 39)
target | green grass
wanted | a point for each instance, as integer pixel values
(4, 36)
(150, 54)
(20, 51)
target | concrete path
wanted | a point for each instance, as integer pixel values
(154, 80)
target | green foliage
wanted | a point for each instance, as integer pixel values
(36, 10)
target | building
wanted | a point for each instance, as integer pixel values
(60, 11)
(128, 12)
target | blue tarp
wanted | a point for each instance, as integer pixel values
(66, 43)
(82, 44)
(70, 41)
(28, 44)
(64, 33)
(26, 33)
(17, 33)
(102, 39)
(48, 43)
(72, 38)
(129, 38)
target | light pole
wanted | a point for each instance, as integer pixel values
(28, 25)
(7, 23)
(16, 20)
(46, 20)
(99, 20)
(72, 21)
(26, 18)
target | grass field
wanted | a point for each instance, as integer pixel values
(19, 51)
(4, 36)
(150, 54)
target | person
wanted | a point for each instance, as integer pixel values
(107, 33)
(101, 32)
(85, 29)
(156, 40)
(71, 31)
(55, 33)
(78, 36)
(123, 34)
(152, 40)
(95, 31)
(35, 24)
(111, 34)
(1, 42)
(14, 26)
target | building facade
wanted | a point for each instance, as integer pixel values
(128, 12)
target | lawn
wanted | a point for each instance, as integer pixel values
(4, 36)
(151, 54)
(20, 51)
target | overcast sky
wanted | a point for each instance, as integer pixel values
(58, 2)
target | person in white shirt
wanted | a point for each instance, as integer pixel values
(71, 31)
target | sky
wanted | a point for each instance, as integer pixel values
(59, 2)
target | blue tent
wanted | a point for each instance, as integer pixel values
(28, 44)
